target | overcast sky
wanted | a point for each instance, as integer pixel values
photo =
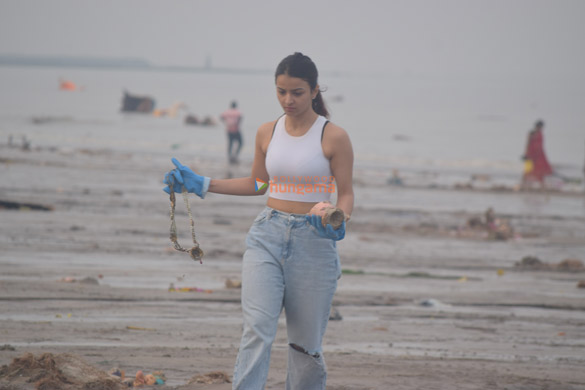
(440, 37)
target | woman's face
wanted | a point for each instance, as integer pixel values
(294, 94)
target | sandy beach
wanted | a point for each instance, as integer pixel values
(426, 302)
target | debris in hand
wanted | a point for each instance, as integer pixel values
(329, 214)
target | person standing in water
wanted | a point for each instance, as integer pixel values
(232, 117)
(291, 260)
(536, 165)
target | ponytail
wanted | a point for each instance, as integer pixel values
(319, 105)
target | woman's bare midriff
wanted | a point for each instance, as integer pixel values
(289, 206)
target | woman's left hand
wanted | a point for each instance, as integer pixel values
(326, 231)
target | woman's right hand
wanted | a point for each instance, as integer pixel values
(183, 176)
(326, 231)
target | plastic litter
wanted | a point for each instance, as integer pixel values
(172, 288)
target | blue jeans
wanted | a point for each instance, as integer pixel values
(286, 264)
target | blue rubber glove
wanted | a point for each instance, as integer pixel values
(184, 176)
(326, 231)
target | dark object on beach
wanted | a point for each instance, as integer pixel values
(133, 103)
(41, 120)
(211, 378)
(570, 265)
(531, 262)
(334, 314)
(534, 263)
(581, 284)
(497, 228)
(4, 204)
(194, 120)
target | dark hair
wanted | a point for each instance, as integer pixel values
(300, 66)
(234, 104)
(539, 123)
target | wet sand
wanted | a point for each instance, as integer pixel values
(426, 303)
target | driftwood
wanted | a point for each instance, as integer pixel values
(329, 214)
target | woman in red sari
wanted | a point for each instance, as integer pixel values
(537, 166)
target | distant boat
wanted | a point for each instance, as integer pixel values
(133, 103)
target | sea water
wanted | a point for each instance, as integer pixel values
(447, 126)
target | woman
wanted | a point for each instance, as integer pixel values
(291, 260)
(537, 166)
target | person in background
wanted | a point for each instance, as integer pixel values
(232, 117)
(291, 260)
(536, 165)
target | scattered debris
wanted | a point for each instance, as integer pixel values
(413, 274)
(117, 374)
(233, 283)
(24, 145)
(8, 205)
(144, 380)
(334, 314)
(346, 271)
(192, 119)
(221, 221)
(570, 265)
(172, 288)
(42, 120)
(86, 280)
(535, 264)
(130, 327)
(89, 280)
(432, 303)
(463, 186)
(211, 378)
(496, 228)
(481, 177)
(60, 371)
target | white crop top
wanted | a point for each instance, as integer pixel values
(298, 169)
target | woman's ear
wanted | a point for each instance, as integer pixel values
(315, 92)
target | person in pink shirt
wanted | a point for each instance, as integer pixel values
(232, 118)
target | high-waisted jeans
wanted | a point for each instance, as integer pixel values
(286, 264)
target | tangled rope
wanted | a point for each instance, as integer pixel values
(195, 252)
